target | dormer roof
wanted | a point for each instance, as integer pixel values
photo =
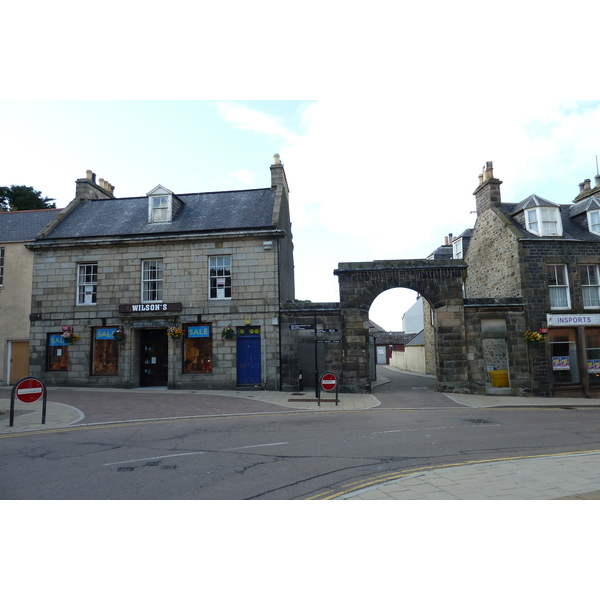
(533, 201)
(592, 203)
(160, 190)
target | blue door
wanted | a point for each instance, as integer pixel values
(248, 358)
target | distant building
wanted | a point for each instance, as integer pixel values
(412, 319)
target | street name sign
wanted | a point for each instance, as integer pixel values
(296, 326)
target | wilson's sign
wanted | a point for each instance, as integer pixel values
(150, 307)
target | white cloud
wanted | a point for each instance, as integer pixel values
(243, 175)
(246, 118)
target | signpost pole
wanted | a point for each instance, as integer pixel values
(317, 390)
(12, 407)
(44, 406)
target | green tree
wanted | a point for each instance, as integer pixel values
(22, 197)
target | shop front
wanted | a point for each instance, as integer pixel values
(574, 354)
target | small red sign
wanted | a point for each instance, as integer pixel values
(328, 382)
(543, 330)
(29, 390)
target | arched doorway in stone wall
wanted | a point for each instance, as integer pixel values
(438, 281)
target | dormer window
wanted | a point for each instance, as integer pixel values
(163, 205)
(593, 217)
(543, 220)
(457, 248)
(159, 209)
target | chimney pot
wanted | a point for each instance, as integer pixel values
(101, 182)
(276, 159)
(89, 174)
(480, 178)
(597, 178)
(581, 188)
(586, 184)
(445, 240)
(450, 239)
(489, 170)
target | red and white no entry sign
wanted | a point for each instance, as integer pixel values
(328, 382)
(29, 390)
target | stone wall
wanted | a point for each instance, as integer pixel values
(255, 298)
(298, 344)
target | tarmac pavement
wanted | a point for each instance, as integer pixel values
(560, 476)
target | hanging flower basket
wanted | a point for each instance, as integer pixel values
(119, 335)
(533, 337)
(70, 337)
(227, 333)
(174, 332)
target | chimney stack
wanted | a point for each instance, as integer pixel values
(88, 189)
(487, 193)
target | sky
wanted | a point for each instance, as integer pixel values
(367, 181)
(383, 118)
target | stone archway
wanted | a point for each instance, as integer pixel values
(438, 281)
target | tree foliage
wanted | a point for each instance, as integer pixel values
(22, 197)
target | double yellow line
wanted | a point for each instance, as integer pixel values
(371, 481)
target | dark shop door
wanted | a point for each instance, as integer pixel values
(154, 357)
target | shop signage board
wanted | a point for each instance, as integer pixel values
(150, 307)
(28, 389)
(572, 320)
(298, 327)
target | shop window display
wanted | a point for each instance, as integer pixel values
(197, 354)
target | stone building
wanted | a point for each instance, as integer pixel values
(16, 267)
(165, 289)
(534, 266)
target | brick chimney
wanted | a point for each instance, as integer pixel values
(487, 193)
(88, 189)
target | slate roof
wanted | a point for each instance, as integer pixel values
(571, 231)
(531, 202)
(204, 212)
(441, 253)
(24, 225)
(418, 340)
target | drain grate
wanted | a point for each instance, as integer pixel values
(479, 421)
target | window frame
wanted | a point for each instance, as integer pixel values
(590, 215)
(146, 286)
(458, 254)
(154, 210)
(557, 286)
(213, 280)
(82, 285)
(2, 254)
(539, 225)
(583, 275)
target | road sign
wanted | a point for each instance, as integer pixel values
(326, 330)
(29, 389)
(302, 326)
(328, 382)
